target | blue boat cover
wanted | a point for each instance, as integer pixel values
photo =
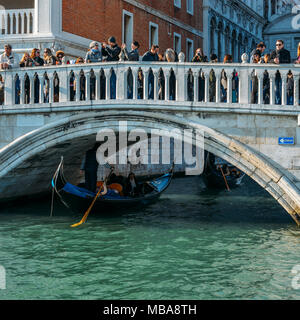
(84, 193)
(160, 183)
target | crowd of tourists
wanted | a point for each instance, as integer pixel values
(111, 51)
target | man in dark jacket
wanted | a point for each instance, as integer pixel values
(110, 52)
(151, 55)
(90, 168)
(280, 55)
(132, 55)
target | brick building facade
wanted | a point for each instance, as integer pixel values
(176, 24)
(70, 25)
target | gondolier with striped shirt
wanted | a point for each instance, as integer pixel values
(90, 167)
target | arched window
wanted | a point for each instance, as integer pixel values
(212, 35)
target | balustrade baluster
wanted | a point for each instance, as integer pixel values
(6, 23)
(77, 82)
(32, 88)
(155, 87)
(218, 85)
(88, 85)
(23, 23)
(167, 85)
(229, 86)
(135, 83)
(272, 88)
(206, 87)
(196, 86)
(260, 98)
(145, 88)
(296, 89)
(283, 90)
(51, 87)
(181, 85)
(41, 93)
(107, 85)
(17, 23)
(28, 23)
(22, 89)
(97, 85)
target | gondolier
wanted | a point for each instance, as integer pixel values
(90, 167)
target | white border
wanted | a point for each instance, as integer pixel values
(152, 24)
(178, 35)
(177, 4)
(189, 59)
(192, 9)
(130, 14)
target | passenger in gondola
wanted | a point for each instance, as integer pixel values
(90, 167)
(235, 172)
(132, 187)
(223, 168)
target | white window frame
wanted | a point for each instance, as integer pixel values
(177, 35)
(189, 59)
(177, 3)
(152, 24)
(191, 11)
(130, 14)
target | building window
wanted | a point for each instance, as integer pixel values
(189, 50)
(273, 6)
(177, 3)
(153, 34)
(190, 6)
(177, 42)
(127, 29)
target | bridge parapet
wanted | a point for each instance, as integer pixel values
(214, 83)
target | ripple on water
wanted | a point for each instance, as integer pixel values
(192, 244)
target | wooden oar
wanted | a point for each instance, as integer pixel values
(227, 186)
(89, 209)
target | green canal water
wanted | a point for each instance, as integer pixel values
(191, 244)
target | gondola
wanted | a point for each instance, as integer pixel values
(78, 198)
(214, 175)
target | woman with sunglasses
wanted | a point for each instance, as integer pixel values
(36, 58)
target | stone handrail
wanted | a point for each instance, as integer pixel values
(192, 82)
(16, 22)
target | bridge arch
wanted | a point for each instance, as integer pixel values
(60, 133)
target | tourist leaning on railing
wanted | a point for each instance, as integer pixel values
(49, 58)
(132, 55)
(7, 59)
(60, 57)
(26, 61)
(94, 54)
(36, 58)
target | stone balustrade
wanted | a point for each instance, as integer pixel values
(16, 22)
(183, 82)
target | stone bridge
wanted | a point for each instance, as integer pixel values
(54, 111)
